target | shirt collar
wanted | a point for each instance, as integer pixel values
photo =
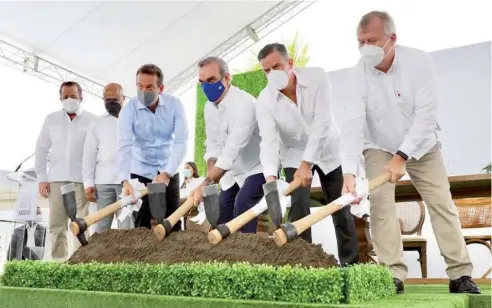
(226, 101)
(393, 65)
(301, 81)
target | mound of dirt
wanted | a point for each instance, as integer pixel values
(140, 245)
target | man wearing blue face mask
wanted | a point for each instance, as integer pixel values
(299, 133)
(152, 142)
(232, 145)
(392, 109)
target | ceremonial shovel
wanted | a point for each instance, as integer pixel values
(224, 230)
(289, 231)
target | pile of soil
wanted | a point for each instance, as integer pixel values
(140, 245)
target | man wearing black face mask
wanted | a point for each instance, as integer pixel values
(99, 160)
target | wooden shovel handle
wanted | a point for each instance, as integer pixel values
(160, 231)
(295, 184)
(102, 213)
(214, 236)
(302, 224)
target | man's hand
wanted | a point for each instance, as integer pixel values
(270, 178)
(128, 189)
(396, 167)
(349, 186)
(197, 195)
(90, 194)
(44, 189)
(305, 173)
(163, 178)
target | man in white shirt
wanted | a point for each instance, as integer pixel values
(232, 144)
(391, 124)
(99, 167)
(299, 133)
(61, 142)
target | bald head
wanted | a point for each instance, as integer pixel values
(113, 91)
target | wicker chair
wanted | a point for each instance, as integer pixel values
(473, 214)
(411, 216)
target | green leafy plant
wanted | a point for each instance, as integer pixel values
(240, 281)
(297, 51)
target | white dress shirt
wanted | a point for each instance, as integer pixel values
(232, 135)
(391, 111)
(62, 140)
(307, 131)
(99, 160)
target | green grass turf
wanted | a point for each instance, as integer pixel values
(415, 296)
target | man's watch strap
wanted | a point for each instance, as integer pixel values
(402, 155)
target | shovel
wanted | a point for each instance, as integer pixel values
(289, 231)
(70, 205)
(273, 201)
(211, 204)
(157, 201)
(274, 209)
(165, 228)
(80, 225)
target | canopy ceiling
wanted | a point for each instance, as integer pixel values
(108, 41)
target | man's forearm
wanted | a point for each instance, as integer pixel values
(211, 163)
(215, 174)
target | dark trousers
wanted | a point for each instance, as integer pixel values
(331, 184)
(235, 201)
(143, 217)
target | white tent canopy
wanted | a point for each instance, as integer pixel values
(108, 41)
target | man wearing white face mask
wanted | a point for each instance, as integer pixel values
(299, 133)
(61, 142)
(391, 108)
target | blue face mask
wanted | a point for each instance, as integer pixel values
(213, 91)
(187, 173)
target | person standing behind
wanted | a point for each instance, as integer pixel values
(61, 142)
(298, 131)
(99, 168)
(152, 142)
(392, 110)
(192, 178)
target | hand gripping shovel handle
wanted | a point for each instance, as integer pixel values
(82, 224)
(290, 231)
(224, 230)
(161, 230)
(295, 184)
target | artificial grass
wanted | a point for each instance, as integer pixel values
(239, 281)
(429, 296)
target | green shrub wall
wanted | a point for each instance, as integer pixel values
(251, 82)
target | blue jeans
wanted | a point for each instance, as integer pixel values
(235, 201)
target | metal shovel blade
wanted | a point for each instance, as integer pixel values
(157, 200)
(211, 204)
(273, 203)
(69, 202)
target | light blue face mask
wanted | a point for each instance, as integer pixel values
(187, 173)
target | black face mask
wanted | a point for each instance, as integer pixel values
(113, 107)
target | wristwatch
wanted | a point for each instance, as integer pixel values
(402, 155)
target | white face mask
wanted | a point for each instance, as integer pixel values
(278, 79)
(71, 105)
(373, 55)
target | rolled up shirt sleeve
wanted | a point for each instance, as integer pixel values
(352, 129)
(240, 134)
(426, 100)
(270, 143)
(180, 144)
(321, 122)
(89, 157)
(125, 143)
(43, 146)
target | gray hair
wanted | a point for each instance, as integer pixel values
(223, 67)
(388, 22)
